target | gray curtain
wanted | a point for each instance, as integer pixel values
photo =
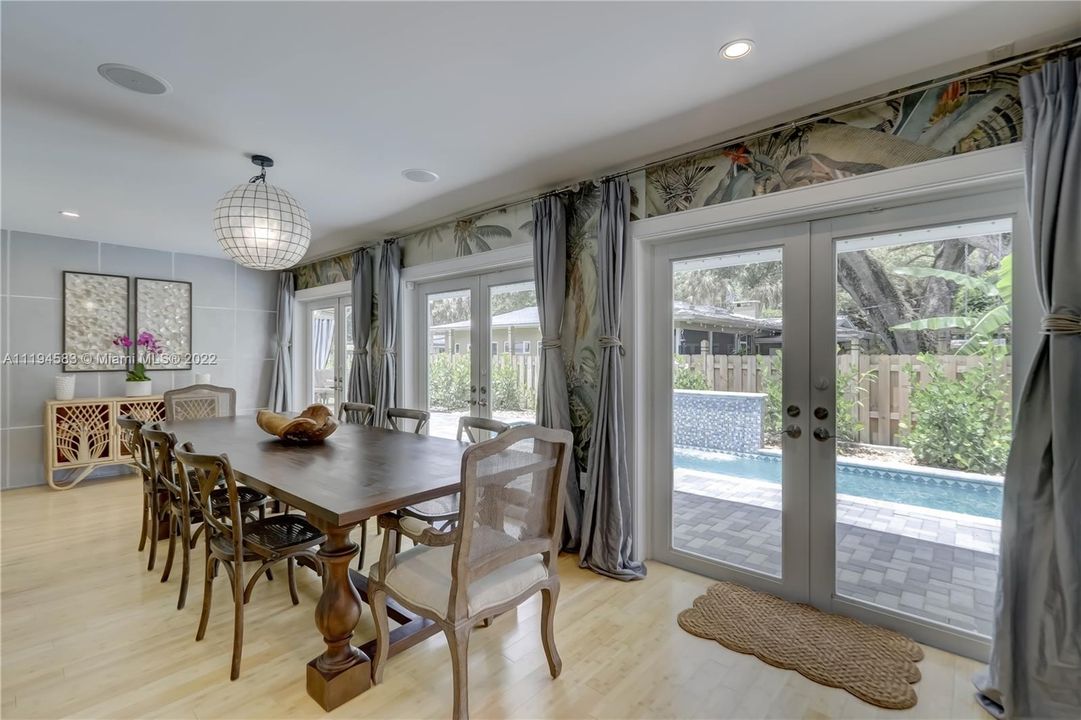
(607, 511)
(553, 409)
(281, 379)
(388, 283)
(1035, 666)
(322, 342)
(360, 377)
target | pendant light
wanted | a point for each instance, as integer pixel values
(262, 226)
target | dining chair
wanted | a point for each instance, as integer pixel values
(356, 412)
(499, 552)
(132, 437)
(396, 416)
(198, 402)
(231, 541)
(181, 508)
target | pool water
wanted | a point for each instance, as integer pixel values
(939, 492)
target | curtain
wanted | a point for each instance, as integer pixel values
(388, 290)
(553, 408)
(281, 378)
(1035, 668)
(360, 379)
(322, 342)
(607, 512)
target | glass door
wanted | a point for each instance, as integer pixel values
(482, 345)
(329, 356)
(913, 382)
(734, 362)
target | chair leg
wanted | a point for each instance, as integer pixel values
(238, 619)
(378, 600)
(185, 574)
(291, 563)
(172, 549)
(208, 588)
(363, 544)
(154, 525)
(458, 641)
(548, 637)
(146, 521)
(397, 543)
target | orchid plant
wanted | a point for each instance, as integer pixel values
(146, 346)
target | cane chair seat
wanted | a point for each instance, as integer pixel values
(250, 499)
(280, 532)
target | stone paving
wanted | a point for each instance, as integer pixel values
(936, 565)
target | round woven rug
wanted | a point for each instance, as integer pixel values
(874, 664)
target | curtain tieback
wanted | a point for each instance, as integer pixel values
(551, 343)
(360, 352)
(613, 342)
(1061, 324)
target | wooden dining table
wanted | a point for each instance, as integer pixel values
(357, 473)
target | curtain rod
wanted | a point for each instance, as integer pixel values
(806, 120)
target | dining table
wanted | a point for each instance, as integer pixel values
(357, 473)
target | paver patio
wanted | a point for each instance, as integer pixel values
(933, 564)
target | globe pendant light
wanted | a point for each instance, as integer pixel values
(262, 226)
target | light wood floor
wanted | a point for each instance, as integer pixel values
(87, 632)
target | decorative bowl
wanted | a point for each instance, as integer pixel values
(315, 424)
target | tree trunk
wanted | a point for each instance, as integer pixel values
(883, 304)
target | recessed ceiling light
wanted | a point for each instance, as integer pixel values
(737, 49)
(133, 79)
(69, 213)
(419, 175)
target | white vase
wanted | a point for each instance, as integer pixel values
(137, 388)
(65, 387)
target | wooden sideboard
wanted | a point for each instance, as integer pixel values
(82, 435)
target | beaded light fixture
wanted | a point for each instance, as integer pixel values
(262, 226)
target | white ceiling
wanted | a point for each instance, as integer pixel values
(498, 98)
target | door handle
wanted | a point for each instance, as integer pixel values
(483, 403)
(821, 434)
(793, 431)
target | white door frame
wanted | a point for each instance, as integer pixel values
(953, 177)
(302, 334)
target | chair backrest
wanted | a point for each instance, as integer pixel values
(356, 413)
(511, 504)
(211, 472)
(131, 435)
(474, 427)
(198, 402)
(160, 447)
(397, 416)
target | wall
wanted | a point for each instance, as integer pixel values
(233, 316)
(726, 421)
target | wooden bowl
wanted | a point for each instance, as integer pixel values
(314, 425)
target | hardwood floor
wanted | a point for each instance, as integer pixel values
(87, 632)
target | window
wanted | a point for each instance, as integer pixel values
(506, 346)
(495, 348)
(457, 348)
(521, 347)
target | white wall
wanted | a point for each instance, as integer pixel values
(233, 316)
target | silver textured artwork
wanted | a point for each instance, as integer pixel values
(163, 308)
(95, 313)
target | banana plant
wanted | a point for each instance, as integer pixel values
(998, 284)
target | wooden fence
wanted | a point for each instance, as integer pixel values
(883, 389)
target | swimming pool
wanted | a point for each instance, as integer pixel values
(936, 489)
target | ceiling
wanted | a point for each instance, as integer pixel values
(498, 98)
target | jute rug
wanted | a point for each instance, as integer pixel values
(874, 664)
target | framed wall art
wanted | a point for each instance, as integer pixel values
(95, 314)
(163, 309)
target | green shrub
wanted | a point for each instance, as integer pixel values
(851, 387)
(962, 423)
(769, 372)
(508, 393)
(448, 381)
(687, 378)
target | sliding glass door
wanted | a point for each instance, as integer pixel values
(837, 403)
(481, 344)
(328, 356)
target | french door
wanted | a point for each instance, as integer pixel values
(328, 358)
(836, 398)
(479, 341)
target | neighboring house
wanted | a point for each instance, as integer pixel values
(513, 333)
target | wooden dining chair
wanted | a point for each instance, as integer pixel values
(396, 418)
(231, 541)
(498, 554)
(471, 427)
(199, 402)
(181, 508)
(356, 413)
(131, 436)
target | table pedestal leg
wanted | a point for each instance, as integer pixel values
(342, 672)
